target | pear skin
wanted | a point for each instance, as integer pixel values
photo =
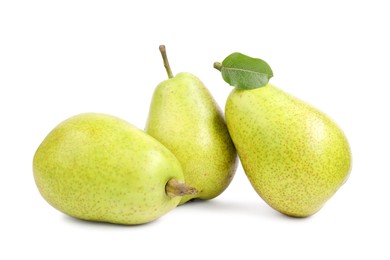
(186, 119)
(100, 168)
(294, 155)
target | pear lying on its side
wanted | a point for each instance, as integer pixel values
(100, 168)
(295, 156)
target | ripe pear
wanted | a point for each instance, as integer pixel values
(100, 168)
(186, 119)
(294, 155)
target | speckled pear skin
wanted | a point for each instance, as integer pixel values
(100, 168)
(185, 118)
(295, 156)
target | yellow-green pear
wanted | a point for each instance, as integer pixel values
(100, 168)
(186, 119)
(295, 156)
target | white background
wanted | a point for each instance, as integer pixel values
(61, 58)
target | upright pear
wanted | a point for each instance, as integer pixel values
(186, 119)
(295, 156)
(100, 168)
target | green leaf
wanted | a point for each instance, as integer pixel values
(245, 72)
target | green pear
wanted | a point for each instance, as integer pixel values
(100, 168)
(186, 119)
(295, 156)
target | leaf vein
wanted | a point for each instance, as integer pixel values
(244, 70)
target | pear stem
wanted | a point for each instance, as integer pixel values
(175, 188)
(165, 59)
(218, 66)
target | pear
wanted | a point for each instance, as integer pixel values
(100, 168)
(295, 156)
(186, 119)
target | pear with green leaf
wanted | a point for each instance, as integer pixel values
(98, 167)
(294, 155)
(186, 119)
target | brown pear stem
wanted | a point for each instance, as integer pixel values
(218, 66)
(175, 188)
(165, 59)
